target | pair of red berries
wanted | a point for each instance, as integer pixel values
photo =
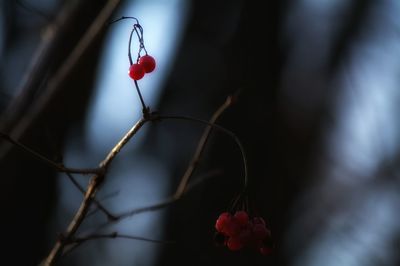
(239, 230)
(146, 64)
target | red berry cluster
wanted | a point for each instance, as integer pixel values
(239, 231)
(146, 64)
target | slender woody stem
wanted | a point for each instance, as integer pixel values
(123, 17)
(144, 108)
(93, 186)
(200, 148)
(129, 47)
(220, 128)
(95, 201)
(58, 166)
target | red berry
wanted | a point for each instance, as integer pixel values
(265, 250)
(222, 221)
(136, 71)
(225, 215)
(234, 243)
(148, 63)
(242, 218)
(260, 231)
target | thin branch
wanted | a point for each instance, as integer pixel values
(182, 187)
(98, 179)
(77, 241)
(200, 148)
(95, 201)
(201, 179)
(102, 199)
(220, 128)
(129, 47)
(94, 183)
(145, 109)
(117, 148)
(58, 78)
(170, 200)
(123, 17)
(34, 10)
(118, 235)
(58, 166)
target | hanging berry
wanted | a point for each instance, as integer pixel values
(136, 71)
(238, 230)
(148, 63)
(144, 63)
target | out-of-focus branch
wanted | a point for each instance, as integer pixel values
(95, 182)
(13, 122)
(76, 242)
(109, 215)
(57, 166)
(184, 181)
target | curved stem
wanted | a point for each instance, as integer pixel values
(129, 47)
(123, 17)
(220, 128)
(144, 108)
(200, 148)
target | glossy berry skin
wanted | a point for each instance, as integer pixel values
(242, 218)
(265, 250)
(222, 221)
(234, 243)
(136, 71)
(148, 63)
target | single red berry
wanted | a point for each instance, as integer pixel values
(136, 71)
(148, 63)
(242, 218)
(234, 243)
(260, 231)
(224, 215)
(265, 250)
(222, 221)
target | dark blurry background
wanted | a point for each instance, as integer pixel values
(317, 115)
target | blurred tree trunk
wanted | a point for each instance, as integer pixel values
(29, 186)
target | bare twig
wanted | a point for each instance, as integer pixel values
(202, 178)
(118, 235)
(61, 74)
(95, 201)
(220, 128)
(77, 241)
(168, 201)
(58, 166)
(102, 199)
(182, 187)
(200, 148)
(28, 7)
(93, 186)
(98, 179)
